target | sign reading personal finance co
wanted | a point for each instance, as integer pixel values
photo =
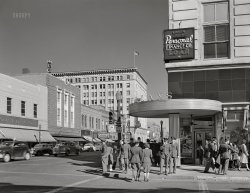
(178, 44)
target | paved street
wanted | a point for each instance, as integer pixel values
(82, 173)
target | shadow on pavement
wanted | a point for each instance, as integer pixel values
(11, 188)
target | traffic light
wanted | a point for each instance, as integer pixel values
(111, 118)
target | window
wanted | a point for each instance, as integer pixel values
(128, 77)
(9, 105)
(128, 100)
(104, 78)
(128, 85)
(128, 92)
(216, 30)
(35, 110)
(59, 105)
(100, 78)
(23, 108)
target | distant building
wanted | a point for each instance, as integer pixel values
(94, 120)
(63, 106)
(23, 112)
(99, 87)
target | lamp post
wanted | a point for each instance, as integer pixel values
(161, 122)
(39, 138)
(118, 123)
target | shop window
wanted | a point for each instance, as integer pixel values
(216, 30)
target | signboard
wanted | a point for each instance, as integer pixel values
(111, 128)
(11, 120)
(178, 44)
(103, 136)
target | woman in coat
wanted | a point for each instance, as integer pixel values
(244, 155)
(146, 161)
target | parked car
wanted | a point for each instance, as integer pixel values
(89, 147)
(66, 148)
(12, 149)
(42, 148)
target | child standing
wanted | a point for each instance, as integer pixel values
(146, 161)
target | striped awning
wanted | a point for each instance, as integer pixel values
(26, 135)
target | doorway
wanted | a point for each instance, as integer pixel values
(201, 138)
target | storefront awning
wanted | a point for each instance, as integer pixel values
(69, 139)
(88, 138)
(26, 135)
(183, 107)
(96, 140)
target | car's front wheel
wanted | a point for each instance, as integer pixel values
(27, 156)
(6, 157)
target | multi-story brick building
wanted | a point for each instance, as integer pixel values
(99, 87)
(23, 112)
(220, 68)
(63, 106)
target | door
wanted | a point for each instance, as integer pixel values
(201, 138)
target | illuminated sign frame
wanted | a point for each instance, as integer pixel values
(178, 44)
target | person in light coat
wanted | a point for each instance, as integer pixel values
(244, 155)
(146, 161)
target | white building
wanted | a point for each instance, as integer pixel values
(99, 87)
(23, 111)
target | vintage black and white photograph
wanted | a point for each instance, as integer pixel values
(119, 96)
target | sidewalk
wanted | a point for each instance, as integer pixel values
(190, 172)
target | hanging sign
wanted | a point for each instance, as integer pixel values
(178, 44)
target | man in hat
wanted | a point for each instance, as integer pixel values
(136, 156)
(124, 155)
(165, 155)
(174, 155)
(106, 155)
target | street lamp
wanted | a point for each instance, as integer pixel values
(118, 123)
(161, 122)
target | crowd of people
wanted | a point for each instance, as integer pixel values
(224, 155)
(139, 156)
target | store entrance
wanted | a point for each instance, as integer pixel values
(202, 136)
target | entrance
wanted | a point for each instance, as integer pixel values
(201, 138)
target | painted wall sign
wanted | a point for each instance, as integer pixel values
(11, 120)
(178, 44)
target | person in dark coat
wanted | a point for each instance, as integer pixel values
(174, 155)
(106, 154)
(200, 153)
(146, 161)
(224, 156)
(211, 155)
(141, 144)
(124, 155)
(136, 156)
(165, 156)
(235, 157)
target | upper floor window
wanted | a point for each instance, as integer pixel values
(9, 105)
(23, 108)
(216, 30)
(128, 77)
(35, 110)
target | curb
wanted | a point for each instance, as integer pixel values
(223, 178)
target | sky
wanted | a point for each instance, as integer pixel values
(79, 35)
